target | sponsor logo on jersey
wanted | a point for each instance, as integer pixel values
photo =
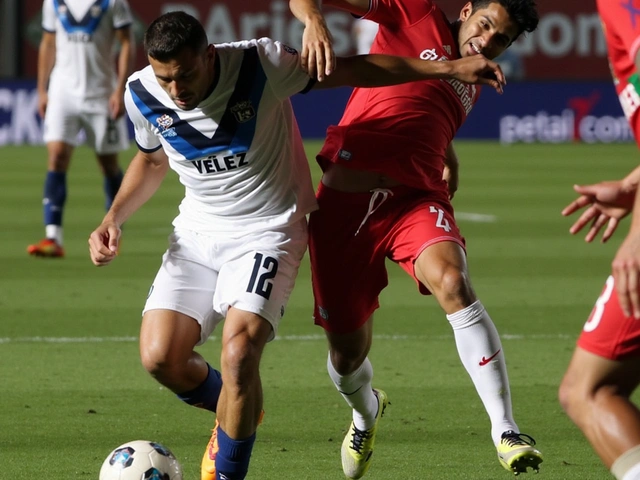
(466, 93)
(243, 111)
(165, 123)
(429, 54)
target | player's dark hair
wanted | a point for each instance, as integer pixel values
(171, 33)
(523, 12)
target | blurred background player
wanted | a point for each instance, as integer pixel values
(389, 173)
(605, 367)
(364, 33)
(78, 89)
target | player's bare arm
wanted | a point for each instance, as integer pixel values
(126, 59)
(143, 177)
(606, 203)
(451, 170)
(46, 61)
(317, 55)
(383, 70)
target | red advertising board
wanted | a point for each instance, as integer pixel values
(568, 43)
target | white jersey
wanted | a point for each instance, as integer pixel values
(239, 154)
(85, 37)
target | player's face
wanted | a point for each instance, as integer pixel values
(186, 78)
(488, 31)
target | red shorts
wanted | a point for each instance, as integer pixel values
(352, 234)
(608, 332)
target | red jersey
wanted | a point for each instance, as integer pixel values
(403, 131)
(621, 23)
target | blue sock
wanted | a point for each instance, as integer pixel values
(207, 393)
(111, 187)
(55, 194)
(232, 459)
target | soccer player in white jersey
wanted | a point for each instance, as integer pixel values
(220, 116)
(78, 88)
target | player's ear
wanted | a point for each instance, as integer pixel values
(211, 52)
(465, 13)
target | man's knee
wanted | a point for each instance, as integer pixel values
(157, 359)
(58, 156)
(240, 360)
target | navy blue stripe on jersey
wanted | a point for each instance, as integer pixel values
(236, 128)
(249, 86)
(86, 24)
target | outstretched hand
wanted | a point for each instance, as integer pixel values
(103, 243)
(318, 57)
(479, 69)
(607, 203)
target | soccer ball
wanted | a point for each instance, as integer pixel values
(141, 460)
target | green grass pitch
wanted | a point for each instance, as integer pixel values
(73, 387)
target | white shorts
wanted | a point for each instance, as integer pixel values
(202, 276)
(67, 116)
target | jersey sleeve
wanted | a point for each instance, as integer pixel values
(121, 14)
(49, 16)
(626, 18)
(283, 69)
(145, 137)
(398, 12)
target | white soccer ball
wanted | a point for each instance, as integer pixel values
(141, 460)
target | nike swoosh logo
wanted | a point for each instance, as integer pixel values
(484, 360)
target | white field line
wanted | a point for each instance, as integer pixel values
(284, 338)
(476, 217)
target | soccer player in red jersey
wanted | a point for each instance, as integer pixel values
(605, 367)
(389, 173)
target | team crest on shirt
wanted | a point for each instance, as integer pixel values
(165, 123)
(243, 111)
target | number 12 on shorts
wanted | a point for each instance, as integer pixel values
(264, 269)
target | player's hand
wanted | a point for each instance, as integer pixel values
(116, 105)
(318, 58)
(606, 204)
(43, 100)
(103, 243)
(626, 273)
(479, 69)
(450, 175)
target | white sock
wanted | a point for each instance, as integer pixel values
(357, 391)
(54, 232)
(627, 465)
(480, 350)
(633, 473)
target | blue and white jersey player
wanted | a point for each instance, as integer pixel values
(81, 89)
(247, 182)
(220, 116)
(84, 77)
